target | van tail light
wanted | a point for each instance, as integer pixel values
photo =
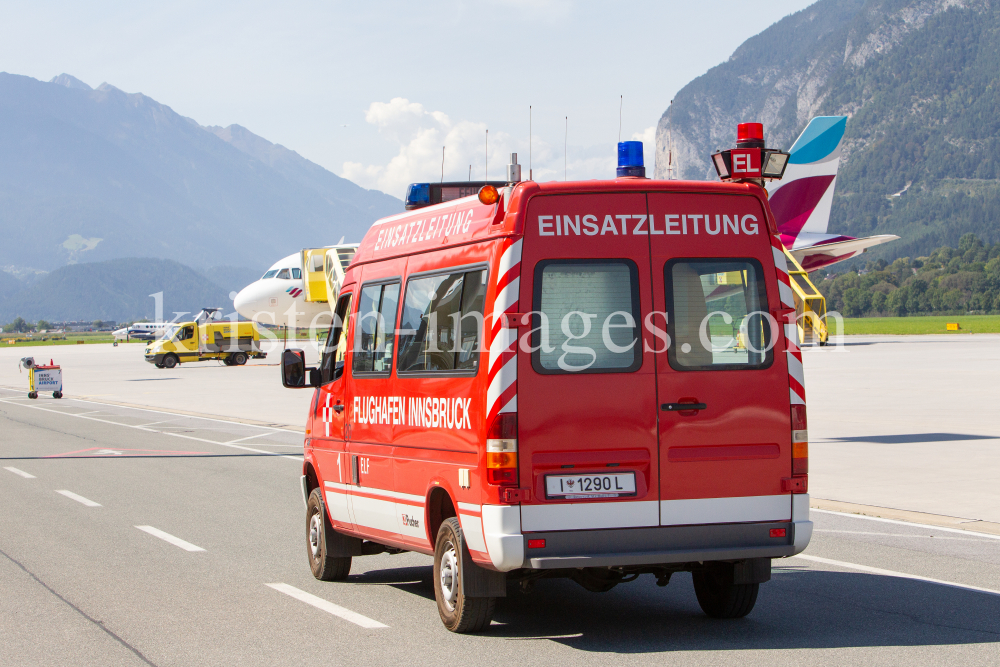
(800, 441)
(501, 450)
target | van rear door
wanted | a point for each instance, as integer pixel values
(587, 392)
(724, 433)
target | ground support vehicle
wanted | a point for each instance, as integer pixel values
(44, 378)
(204, 339)
(549, 385)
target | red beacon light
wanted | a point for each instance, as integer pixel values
(750, 160)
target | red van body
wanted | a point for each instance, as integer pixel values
(688, 456)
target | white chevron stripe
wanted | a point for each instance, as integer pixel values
(507, 297)
(510, 258)
(780, 262)
(511, 405)
(795, 369)
(500, 343)
(794, 398)
(502, 380)
(786, 294)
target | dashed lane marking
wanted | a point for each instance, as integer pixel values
(167, 537)
(18, 471)
(79, 499)
(327, 606)
(893, 573)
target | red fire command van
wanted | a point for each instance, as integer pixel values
(591, 380)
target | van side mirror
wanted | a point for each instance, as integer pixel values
(293, 369)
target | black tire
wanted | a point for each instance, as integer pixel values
(719, 597)
(458, 613)
(32, 394)
(239, 358)
(158, 365)
(228, 361)
(57, 394)
(170, 361)
(318, 536)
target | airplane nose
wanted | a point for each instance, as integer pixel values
(244, 303)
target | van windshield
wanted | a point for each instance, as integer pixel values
(168, 332)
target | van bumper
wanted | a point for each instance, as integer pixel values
(670, 544)
(155, 358)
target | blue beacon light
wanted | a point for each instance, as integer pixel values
(630, 159)
(418, 195)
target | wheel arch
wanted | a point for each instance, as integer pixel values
(440, 506)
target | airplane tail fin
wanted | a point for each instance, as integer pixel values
(801, 201)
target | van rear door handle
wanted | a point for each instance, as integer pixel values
(679, 407)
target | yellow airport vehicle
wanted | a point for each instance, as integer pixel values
(204, 339)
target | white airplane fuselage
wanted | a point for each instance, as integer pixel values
(278, 298)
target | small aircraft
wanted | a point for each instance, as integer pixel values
(141, 331)
(801, 201)
(296, 291)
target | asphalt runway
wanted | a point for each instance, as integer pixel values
(138, 537)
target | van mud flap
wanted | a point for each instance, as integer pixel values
(478, 582)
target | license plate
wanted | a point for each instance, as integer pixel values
(590, 486)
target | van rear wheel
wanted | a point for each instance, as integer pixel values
(319, 534)
(239, 358)
(458, 613)
(170, 361)
(719, 597)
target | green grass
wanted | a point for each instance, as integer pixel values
(23, 340)
(928, 324)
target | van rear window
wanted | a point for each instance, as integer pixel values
(440, 328)
(586, 317)
(717, 315)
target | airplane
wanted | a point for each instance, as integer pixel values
(801, 201)
(281, 297)
(141, 331)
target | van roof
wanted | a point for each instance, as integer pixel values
(463, 221)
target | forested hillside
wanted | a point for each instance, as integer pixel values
(920, 82)
(948, 281)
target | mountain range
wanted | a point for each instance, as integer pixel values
(920, 83)
(97, 174)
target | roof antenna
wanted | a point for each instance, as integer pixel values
(442, 164)
(566, 150)
(529, 144)
(621, 103)
(470, 173)
(487, 175)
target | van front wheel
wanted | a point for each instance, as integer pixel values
(318, 536)
(719, 597)
(458, 613)
(169, 361)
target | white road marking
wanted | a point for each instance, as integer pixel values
(327, 606)
(893, 573)
(297, 459)
(909, 523)
(865, 532)
(167, 537)
(249, 437)
(79, 499)
(17, 471)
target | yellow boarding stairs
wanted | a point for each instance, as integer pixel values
(810, 305)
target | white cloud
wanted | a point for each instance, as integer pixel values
(648, 139)
(420, 134)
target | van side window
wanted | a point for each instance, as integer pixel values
(442, 321)
(375, 328)
(332, 364)
(717, 315)
(587, 317)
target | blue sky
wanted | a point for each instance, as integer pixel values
(373, 90)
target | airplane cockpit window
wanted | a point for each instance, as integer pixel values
(296, 273)
(283, 274)
(269, 274)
